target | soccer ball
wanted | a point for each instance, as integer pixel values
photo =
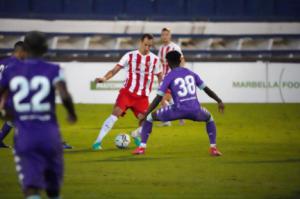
(122, 140)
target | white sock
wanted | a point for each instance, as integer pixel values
(213, 145)
(33, 197)
(106, 127)
(143, 145)
(137, 132)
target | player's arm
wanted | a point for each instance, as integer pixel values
(159, 77)
(153, 105)
(4, 114)
(214, 96)
(109, 74)
(66, 100)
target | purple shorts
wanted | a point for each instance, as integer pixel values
(40, 164)
(171, 113)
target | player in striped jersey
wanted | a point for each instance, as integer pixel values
(141, 66)
(167, 46)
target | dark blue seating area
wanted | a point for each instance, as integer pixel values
(214, 10)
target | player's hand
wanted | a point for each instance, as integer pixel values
(72, 119)
(100, 80)
(221, 107)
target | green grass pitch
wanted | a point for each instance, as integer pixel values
(260, 143)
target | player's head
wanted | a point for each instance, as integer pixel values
(35, 43)
(19, 50)
(165, 35)
(173, 59)
(146, 43)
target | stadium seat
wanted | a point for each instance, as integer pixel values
(200, 8)
(14, 6)
(75, 7)
(287, 8)
(53, 6)
(108, 7)
(256, 8)
(140, 8)
(170, 8)
(229, 8)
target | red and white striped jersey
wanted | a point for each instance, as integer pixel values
(140, 71)
(162, 52)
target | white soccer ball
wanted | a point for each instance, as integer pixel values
(122, 141)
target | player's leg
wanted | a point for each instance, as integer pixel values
(164, 114)
(6, 128)
(54, 176)
(204, 115)
(29, 167)
(139, 107)
(166, 101)
(107, 126)
(122, 102)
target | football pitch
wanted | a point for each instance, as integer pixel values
(260, 145)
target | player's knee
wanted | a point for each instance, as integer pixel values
(210, 119)
(149, 118)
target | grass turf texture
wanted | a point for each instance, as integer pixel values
(260, 142)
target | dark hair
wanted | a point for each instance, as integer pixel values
(19, 45)
(36, 43)
(173, 58)
(166, 29)
(146, 35)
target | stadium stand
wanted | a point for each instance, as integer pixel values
(230, 29)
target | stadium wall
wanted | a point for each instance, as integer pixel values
(255, 82)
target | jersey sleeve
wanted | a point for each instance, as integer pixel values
(199, 82)
(124, 61)
(4, 80)
(164, 86)
(177, 48)
(157, 67)
(59, 76)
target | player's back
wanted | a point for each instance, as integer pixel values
(183, 85)
(4, 63)
(31, 88)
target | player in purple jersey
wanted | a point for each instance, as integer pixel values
(183, 83)
(37, 143)
(17, 55)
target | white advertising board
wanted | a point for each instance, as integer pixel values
(233, 82)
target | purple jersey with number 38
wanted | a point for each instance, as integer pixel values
(183, 84)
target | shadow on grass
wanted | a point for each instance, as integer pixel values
(129, 158)
(90, 150)
(294, 195)
(265, 161)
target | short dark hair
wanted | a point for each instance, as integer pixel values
(19, 45)
(36, 43)
(147, 35)
(173, 58)
(166, 29)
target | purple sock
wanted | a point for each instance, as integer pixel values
(146, 130)
(4, 131)
(211, 131)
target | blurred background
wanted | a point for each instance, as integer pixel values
(248, 50)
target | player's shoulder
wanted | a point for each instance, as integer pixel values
(154, 56)
(48, 64)
(174, 45)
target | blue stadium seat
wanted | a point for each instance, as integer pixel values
(259, 7)
(287, 8)
(202, 8)
(75, 7)
(170, 7)
(229, 8)
(47, 6)
(14, 6)
(138, 7)
(108, 7)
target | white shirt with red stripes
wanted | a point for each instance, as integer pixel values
(162, 52)
(140, 71)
